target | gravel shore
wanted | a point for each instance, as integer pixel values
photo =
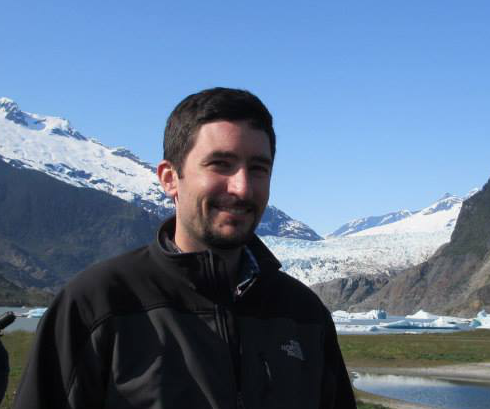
(477, 372)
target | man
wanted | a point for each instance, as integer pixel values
(202, 317)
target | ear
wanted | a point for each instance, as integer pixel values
(167, 175)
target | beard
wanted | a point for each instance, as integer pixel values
(214, 238)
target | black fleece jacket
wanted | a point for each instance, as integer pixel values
(152, 329)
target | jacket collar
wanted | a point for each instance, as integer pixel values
(205, 271)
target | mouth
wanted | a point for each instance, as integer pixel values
(234, 208)
(238, 211)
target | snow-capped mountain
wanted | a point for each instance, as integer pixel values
(441, 215)
(369, 222)
(372, 245)
(51, 145)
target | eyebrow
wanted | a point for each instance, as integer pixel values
(229, 155)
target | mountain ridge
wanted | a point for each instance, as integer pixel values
(51, 145)
(455, 279)
(431, 218)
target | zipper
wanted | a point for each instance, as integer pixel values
(268, 374)
(223, 331)
(239, 401)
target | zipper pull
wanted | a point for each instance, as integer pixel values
(268, 373)
(267, 370)
(239, 401)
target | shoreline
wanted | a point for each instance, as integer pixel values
(473, 373)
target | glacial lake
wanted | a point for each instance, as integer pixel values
(436, 393)
(20, 323)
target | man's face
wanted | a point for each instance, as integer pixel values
(224, 187)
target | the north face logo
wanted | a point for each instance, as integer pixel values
(293, 349)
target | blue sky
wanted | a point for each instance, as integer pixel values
(378, 105)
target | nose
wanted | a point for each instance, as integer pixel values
(239, 184)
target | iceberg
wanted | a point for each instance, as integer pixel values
(373, 315)
(439, 323)
(482, 320)
(447, 322)
(35, 313)
(339, 319)
(369, 315)
(356, 328)
(340, 314)
(421, 314)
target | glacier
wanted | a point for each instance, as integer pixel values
(337, 257)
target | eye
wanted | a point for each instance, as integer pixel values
(260, 170)
(222, 163)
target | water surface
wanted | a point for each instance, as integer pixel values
(426, 391)
(26, 324)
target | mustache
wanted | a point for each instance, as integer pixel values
(236, 203)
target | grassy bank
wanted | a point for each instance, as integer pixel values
(18, 344)
(415, 350)
(358, 350)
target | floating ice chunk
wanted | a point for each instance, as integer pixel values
(369, 315)
(482, 322)
(421, 314)
(339, 319)
(444, 322)
(35, 313)
(356, 328)
(340, 314)
(475, 323)
(482, 314)
(439, 323)
(373, 315)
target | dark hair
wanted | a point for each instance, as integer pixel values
(208, 106)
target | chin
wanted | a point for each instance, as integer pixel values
(228, 241)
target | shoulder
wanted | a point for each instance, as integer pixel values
(295, 299)
(115, 286)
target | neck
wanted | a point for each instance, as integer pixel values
(231, 257)
(232, 262)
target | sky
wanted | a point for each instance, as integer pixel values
(379, 105)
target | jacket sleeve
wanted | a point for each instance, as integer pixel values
(4, 370)
(337, 388)
(64, 369)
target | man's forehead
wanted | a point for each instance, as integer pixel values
(225, 154)
(233, 138)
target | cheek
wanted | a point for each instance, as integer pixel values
(262, 191)
(202, 189)
(210, 186)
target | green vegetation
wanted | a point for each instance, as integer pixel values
(358, 350)
(414, 350)
(14, 296)
(364, 405)
(18, 345)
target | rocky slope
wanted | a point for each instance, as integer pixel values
(49, 230)
(341, 293)
(14, 296)
(456, 279)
